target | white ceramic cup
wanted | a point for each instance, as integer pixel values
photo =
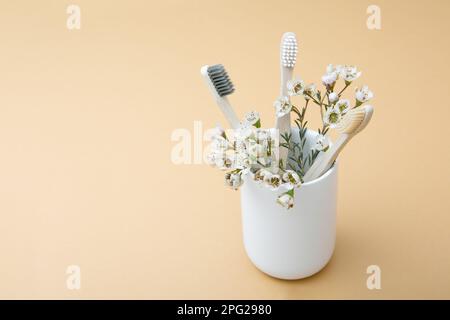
(295, 243)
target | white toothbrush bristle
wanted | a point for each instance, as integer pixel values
(289, 50)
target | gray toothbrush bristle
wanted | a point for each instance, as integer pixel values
(220, 80)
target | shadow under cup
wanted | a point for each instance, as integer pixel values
(295, 243)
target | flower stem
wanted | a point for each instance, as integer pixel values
(346, 86)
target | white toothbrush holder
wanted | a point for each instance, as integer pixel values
(296, 243)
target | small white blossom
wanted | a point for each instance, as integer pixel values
(218, 131)
(274, 181)
(229, 160)
(333, 97)
(310, 91)
(233, 180)
(262, 135)
(343, 106)
(211, 158)
(334, 69)
(259, 175)
(242, 161)
(363, 94)
(256, 150)
(219, 144)
(282, 106)
(331, 76)
(218, 153)
(295, 87)
(321, 143)
(349, 73)
(286, 200)
(252, 119)
(332, 117)
(291, 179)
(267, 176)
(329, 79)
(245, 131)
(217, 160)
(258, 145)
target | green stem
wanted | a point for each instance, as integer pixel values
(313, 99)
(346, 86)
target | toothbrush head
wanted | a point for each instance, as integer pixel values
(288, 50)
(219, 79)
(355, 120)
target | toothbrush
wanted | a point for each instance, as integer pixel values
(221, 86)
(351, 124)
(288, 57)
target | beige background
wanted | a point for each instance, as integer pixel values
(86, 119)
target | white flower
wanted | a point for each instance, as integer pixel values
(217, 160)
(229, 160)
(329, 79)
(363, 94)
(218, 152)
(259, 175)
(233, 180)
(333, 97)
(257, 146)
(274, 181)
(291, 179)
(295, 87)
(343, 106)
(211, 158)
(256, 150)
(262, 135)
(242, 161)
(244, 132)
(321, 143)
(349, 73)
(219, 144)
(252, 119)
(266, 177)
(310, 91)
(282, 106)
(332, 117)
(334, 69)
(286, 200)
(331, 76)
(218, 131)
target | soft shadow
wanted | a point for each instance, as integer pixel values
(348, 248)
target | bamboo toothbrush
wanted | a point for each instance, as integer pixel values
(221, 86)
(288, 57)
(351, 124)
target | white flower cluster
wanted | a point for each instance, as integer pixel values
(249, 149)
(333, 73)
(338, 107)
(281, 180)
(255, 151)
